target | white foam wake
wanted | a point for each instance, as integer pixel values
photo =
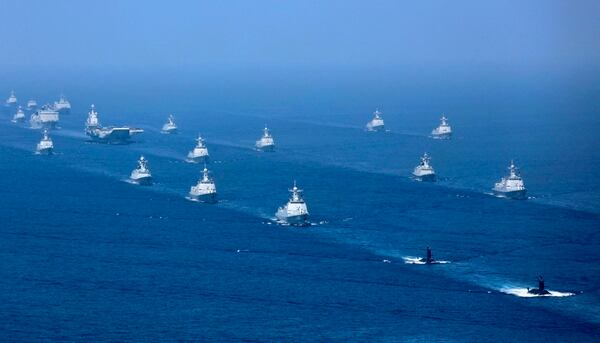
(417, 260)
(524, 293)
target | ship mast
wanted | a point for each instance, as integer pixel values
(444, 120)
(296, 193)
(514, 172)
(205, 176)
(200, 141)
(377, 113)
(142, 163)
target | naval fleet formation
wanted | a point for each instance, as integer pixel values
(294, 212)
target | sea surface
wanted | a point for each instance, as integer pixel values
(87, 256)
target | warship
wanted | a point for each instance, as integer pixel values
(62, 106)
(19, 117)
(45, 146)
(12, 100)
(511, 186)
(424, 171)
(295, 211)
(199, 153)
(205, 190)
(266, 142)
(31, 104)
(170, 126)
(45, 117)
(141, 175)
(109, 134)
(376, 124)
(444, 131)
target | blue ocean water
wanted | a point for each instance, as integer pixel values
(86, 256)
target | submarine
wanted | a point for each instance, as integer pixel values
(429, 259)
(541, 290)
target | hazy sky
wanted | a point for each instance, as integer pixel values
(197, 35)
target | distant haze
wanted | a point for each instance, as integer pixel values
(489, 58)
(199, 35)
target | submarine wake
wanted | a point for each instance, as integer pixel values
(423, 260)
(525, 293)
(419, 260)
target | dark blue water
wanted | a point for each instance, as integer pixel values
(86, 256)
